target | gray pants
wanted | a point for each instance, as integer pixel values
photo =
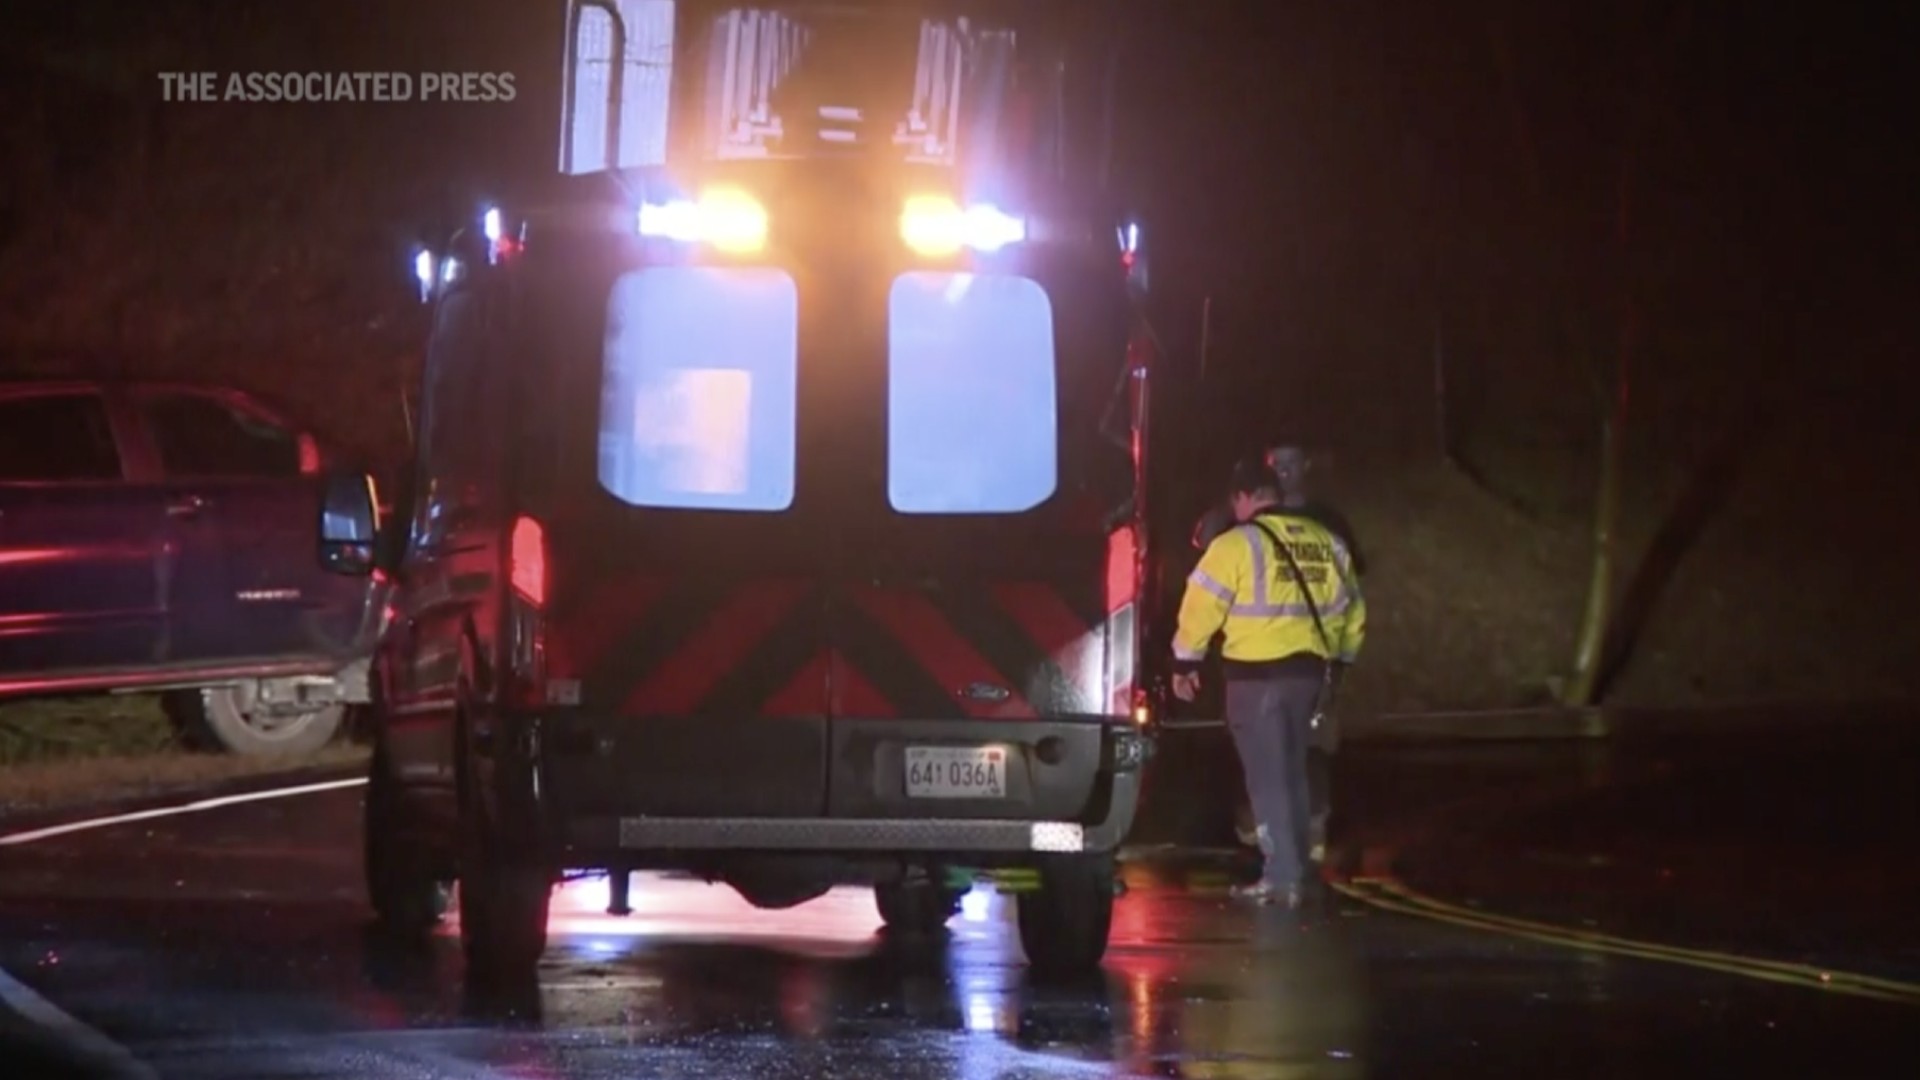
(1271, 721)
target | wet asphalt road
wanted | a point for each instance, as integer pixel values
(234, 944)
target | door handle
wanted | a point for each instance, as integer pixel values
(186, 506)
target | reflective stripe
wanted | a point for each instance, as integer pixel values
(1206, 581)
(1256, 542)
(1180, 652)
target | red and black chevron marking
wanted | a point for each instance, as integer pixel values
(806, 648)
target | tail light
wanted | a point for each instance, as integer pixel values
(1123, 568)
(528, 562)
(1142, 708)
(526, 611)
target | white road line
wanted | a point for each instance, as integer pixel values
(51, 831)
(22, 999)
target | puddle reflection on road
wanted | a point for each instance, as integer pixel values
(1193, 987)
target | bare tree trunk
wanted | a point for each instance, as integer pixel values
(1597, 616)
(1589, 653)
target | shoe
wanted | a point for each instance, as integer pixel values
(1269, 895)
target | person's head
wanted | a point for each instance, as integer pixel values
(1289, 463)
(1254, 489)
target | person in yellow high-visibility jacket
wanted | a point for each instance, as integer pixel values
(1292, 466)
(1282, 590)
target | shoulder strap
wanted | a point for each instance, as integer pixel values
(1326, 640)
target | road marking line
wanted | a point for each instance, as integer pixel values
(1397, 898)
(1811, 972)
(38, 1010)
(198, 805)
(90, 1043)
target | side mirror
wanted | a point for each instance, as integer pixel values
(349, 523)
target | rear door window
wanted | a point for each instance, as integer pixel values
(972, 410)
(699, 391)
(57, 438)
(201, 437)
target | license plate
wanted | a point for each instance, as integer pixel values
(941, 772)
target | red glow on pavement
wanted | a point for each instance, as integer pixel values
(668, 907)
(803, 1001)
(1143, 917)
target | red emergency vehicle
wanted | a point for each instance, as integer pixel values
(777, 507)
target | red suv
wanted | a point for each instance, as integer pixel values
(161, 537)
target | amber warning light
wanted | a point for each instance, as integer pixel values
(937, 226)
(724, 218)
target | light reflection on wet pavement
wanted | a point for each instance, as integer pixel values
(233, 944)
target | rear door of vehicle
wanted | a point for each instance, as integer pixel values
(83, 563)
(983, 596)
(684, 560)
(241, 495)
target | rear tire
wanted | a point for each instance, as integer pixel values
(1064, 924)
(503, 918)
(408, 897)
(504, 895)
(917, 909)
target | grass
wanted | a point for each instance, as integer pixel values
(1789, 592)
(66, 752)
(85, 727)
(1468, 599)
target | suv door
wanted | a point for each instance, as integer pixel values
(241, 493)
(445, 569)
(82, 552)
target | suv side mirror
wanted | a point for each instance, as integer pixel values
(349, 523)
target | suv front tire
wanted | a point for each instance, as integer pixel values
(408, 896)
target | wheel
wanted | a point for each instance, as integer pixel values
(504, 895)
(408, 896)
(503, 917)
(916, 909)
(1064, 923)
(234, 719)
